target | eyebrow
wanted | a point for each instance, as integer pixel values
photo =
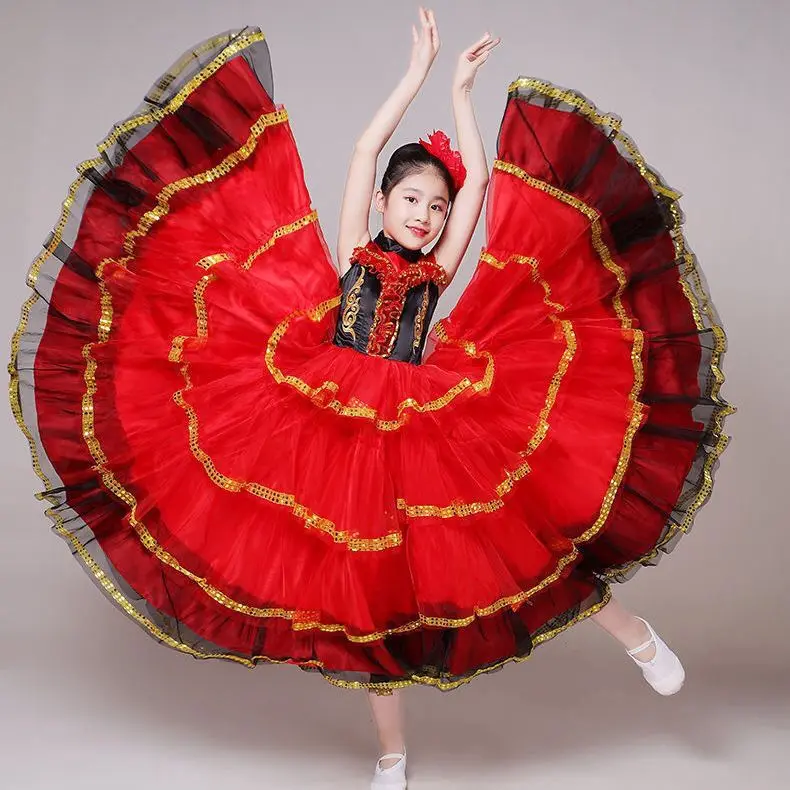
(420, 192)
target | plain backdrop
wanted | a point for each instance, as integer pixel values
(89, 701)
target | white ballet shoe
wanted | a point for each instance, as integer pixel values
(393, 777)
(663, 672)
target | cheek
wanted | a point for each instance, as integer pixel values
(395, 210)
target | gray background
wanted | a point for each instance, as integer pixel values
(90, 701)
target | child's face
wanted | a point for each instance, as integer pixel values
(416, 209)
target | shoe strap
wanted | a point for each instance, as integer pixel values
(391, 756)
(633, 651)
(652, 641)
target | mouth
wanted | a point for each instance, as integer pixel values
(418, 232)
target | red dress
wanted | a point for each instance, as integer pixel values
(245, 487)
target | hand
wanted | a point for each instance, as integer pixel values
(425, 44)
(470, 60)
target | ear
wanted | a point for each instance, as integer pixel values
(379, 201)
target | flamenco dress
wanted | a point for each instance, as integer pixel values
(259, 462)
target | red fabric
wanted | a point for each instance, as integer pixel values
(346, 470)
(438, 145)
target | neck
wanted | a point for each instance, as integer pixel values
(388, 244)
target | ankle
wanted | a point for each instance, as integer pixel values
(638, 634)
(392, 746)
(391, 761)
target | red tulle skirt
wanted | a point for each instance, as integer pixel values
(245, 489)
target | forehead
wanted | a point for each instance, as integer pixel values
(427, 181)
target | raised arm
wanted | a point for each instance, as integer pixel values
(468, 203)
(361, 178)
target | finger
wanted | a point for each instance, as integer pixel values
(485, 42)
(480, 57)
(489, 46)
(414, 35)
(432, 22)
(479, 42)
(423, 17)
(435, 38)
(486, 48)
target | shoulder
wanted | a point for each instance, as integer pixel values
(346, 260)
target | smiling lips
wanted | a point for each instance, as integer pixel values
(418, 231)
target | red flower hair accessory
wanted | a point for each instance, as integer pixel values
(438, 145)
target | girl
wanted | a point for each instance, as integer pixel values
(259, 462)
(417, 191)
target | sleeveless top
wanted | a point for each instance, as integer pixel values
(389, 296)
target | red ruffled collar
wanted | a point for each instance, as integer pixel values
(391, 267)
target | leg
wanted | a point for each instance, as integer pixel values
(660, 667)
(388, 717)
(627, 629)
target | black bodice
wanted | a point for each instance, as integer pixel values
(389, 295)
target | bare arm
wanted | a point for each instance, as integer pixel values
(468, 202)
(360, 181)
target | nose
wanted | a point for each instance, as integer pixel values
(421, 214)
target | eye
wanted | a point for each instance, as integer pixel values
(438, 207)
(410, 198)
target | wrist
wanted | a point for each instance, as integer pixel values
(414, 77)
(461, 91)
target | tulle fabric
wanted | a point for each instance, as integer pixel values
(245, 489)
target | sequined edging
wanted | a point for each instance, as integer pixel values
(176, 355)
(460, 508)
(57, 233)
(302, 620)
(323, 395)
(696, 295)
(15, 343)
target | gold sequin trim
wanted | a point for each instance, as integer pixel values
(351, 310)
(595, 229)
(302, 222)
(311, 520)
(304, 621)
(419, 319)
(318, 394)
(159, 113)
(222, 169)
(166, 80)
(284, 499)
(463, 509)
(449, 685)
(212, 260)
(586, 108)
(57, 232)
(690, 276)
(105, 582)
(299, 620)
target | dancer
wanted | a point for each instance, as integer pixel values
(264, 457)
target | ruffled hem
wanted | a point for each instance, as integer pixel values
(647, 236)
(543, 561)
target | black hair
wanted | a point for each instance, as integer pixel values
(413, 158)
